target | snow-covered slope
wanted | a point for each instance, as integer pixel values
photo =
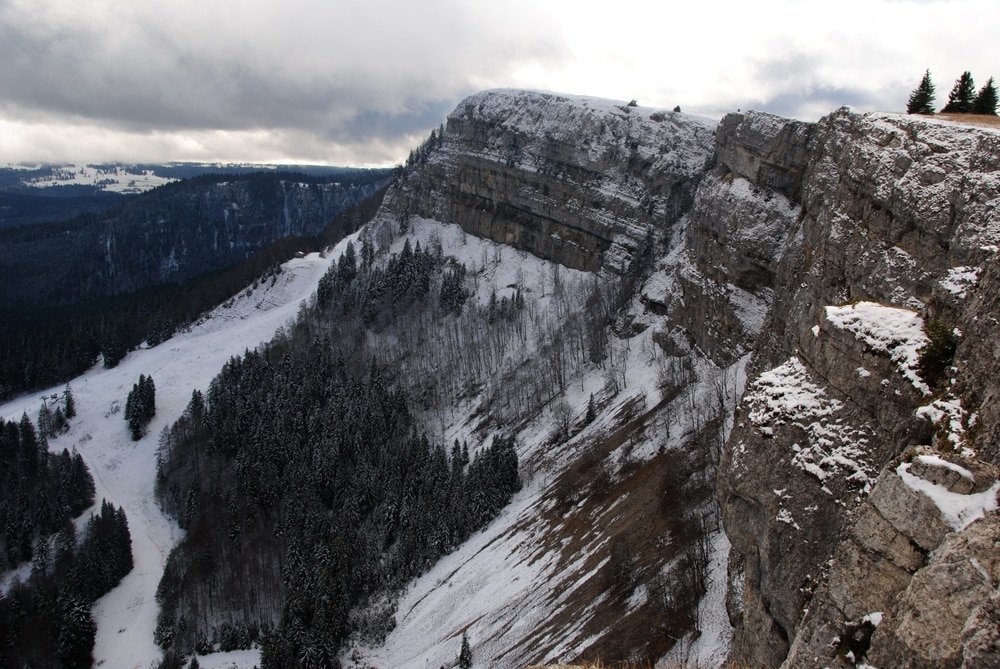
(781, 256)
(533, 585)
(124, 471)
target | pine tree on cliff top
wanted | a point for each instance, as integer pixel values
(922, 98)
(961, 96)
(986, 101)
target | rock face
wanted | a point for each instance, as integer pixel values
(581, 181)
(858, 483)
(897, 229)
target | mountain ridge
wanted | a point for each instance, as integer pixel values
(736, 324)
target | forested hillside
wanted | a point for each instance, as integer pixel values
(40, 492)
(53, 327)
(46, 622)
(306, 483)
(167, 235)
(305, 521)
(45, 613)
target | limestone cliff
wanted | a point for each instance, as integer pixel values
(832, 524)
(814, 263)
(581, 181)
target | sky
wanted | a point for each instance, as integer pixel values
(361, 82)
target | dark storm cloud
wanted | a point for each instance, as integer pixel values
(342, 71)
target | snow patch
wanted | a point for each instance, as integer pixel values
(935, 461)
(787, 395)
(235, 659)
(899, 333)
(948, 414)
(958, 510)
(960, 280)
(875, 618)
(785, 516)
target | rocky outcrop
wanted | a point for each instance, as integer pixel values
(581, 181)
(770, 151)
(902, 567)
(897, 229)
(716, 284)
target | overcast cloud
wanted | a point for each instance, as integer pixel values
(361, 82)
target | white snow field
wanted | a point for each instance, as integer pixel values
(124, 471)
(124, 179)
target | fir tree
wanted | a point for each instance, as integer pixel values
(58, 425)
(961, 96)
(44, 420)
(986, 100)
(140, 407)
(591, 413)
(922, 98)
(76, 633)
(40, 559)
(70, 402)
(465, 655)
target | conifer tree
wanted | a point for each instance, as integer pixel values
(76, 633)
(70, 402)
(962, 94)
(140, 407)
(986, 100)
(465, 655)
(922, 98)
(44, 420)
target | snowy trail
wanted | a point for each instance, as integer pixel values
(124, 471)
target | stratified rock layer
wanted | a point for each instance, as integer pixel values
(819, 256)
(581, 181)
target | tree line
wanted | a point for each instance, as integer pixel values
(47, 344)
(963, 98)
(39, 491)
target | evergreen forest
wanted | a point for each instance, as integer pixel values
(46, 621)
(308, 489)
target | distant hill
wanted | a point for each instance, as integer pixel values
(32, 194)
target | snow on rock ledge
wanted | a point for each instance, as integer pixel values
(899, 333)
(958, 510)
(788, 395)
